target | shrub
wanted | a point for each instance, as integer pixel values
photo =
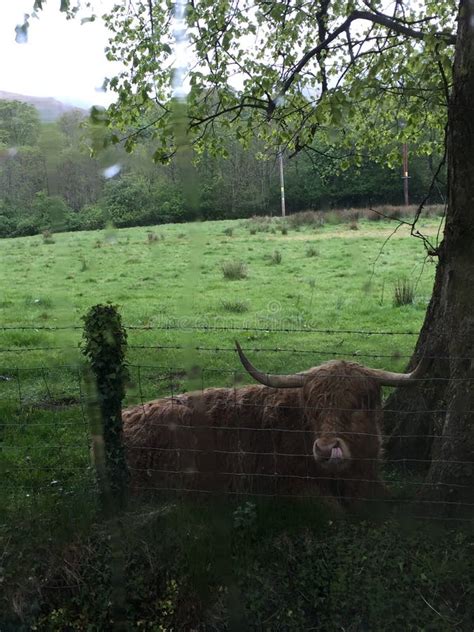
(92, 218)
(234, 270)
(50, 213)
(229, 231)
(276, 257)
(7, 226)
(306, 218)
(259, 224)
(404, 292)
(374, 216)
(47, 237)
(127, 201)
(312, 251)
(152, 237)
(27, 227)
(333, 218)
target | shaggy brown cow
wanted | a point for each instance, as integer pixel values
(315, 433)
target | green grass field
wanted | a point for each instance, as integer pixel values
(293, 282)
(327, 278)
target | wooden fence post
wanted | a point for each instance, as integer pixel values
(105, 342)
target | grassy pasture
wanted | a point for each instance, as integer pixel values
(294, 279)
(330, 277)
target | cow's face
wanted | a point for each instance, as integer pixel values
(345, 420)
(341, 402)
(343, 440)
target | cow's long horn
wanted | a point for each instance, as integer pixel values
(276, 381)
(388, 378)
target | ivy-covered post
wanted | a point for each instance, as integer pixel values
(105, 342)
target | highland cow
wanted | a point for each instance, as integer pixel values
(316, 433)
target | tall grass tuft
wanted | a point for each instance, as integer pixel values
(47, 237)
(234, 270)
(312, 251)
(404, 292)
(276, 257)
(235, 306)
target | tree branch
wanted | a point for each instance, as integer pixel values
(380, 19)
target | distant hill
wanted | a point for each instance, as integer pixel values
(49, 109)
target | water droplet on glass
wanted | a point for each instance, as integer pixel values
(21, 31)
(112, 171)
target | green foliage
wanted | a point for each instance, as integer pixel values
(242, 185)
(132, 201)
(19, 124)
(91, 218)
(269, 566)
(127, 202)
(7, 226)
(105, 345)
(348, 70)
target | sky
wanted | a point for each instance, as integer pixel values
(61, 58)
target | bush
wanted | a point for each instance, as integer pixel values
(50, 212)
(333, 218)
(7, 226)
(294, 570)
(276, 257)
(47, 237)
(27, 226)
(260, 224)
(312, 251)
(127, 202)
(306, 218)
(152, 237)
(91, 218)
(234, 270)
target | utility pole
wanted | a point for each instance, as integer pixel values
(282, 183)
(405, 176)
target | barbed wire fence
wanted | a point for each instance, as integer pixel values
(49, 427)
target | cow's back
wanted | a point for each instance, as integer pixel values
(249, 440)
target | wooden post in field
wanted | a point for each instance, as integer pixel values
(282, 183)
(405, 173)
(105, 344)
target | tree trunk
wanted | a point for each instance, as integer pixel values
(446, 398)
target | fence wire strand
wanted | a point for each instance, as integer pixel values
(58, 404)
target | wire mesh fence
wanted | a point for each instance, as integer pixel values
(234, 440)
